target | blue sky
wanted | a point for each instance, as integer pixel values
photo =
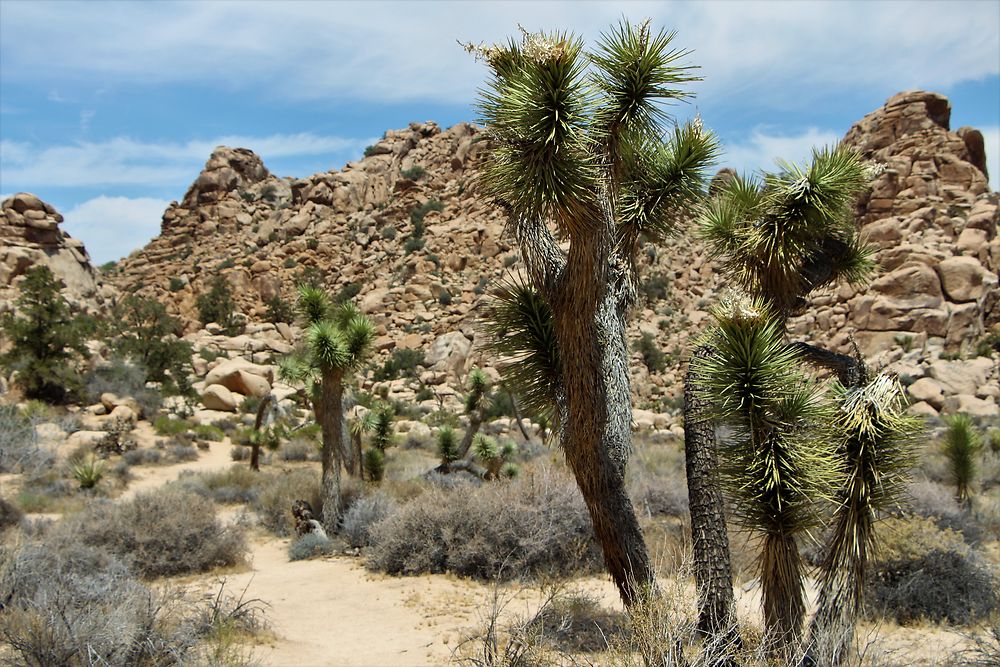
(109, 110)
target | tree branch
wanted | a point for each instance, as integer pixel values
(542, 255)
(850, 371)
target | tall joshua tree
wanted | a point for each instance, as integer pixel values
(578, 154)
(778, 238)
(778, 462)
(338, 340)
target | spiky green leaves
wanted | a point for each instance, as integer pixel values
(962, 444)
(485, 448)
(313, 305)
(793, 232)
(447, 444)
(779, 461)
(663, 179)
(520, 331)
(635, 71)
(537, 108)
(479, 386)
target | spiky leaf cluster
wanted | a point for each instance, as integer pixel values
(485, 448)
(779, 461)
(793, 231)
(382, 430)
(478, 396)
(447, 444)
(569, 128)
(373, 461)
(520, 332)
(962, 444)
(875, 453)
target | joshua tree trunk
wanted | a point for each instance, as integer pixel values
(331, 423)
(713, 571)
(257, 423)
(588, 312)
(475, 422)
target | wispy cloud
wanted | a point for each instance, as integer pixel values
(763, 148)
(112, 227)
(394, 51)
(123, 161)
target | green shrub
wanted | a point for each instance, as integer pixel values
(447, 444)
(162, 533)
(413, 244)
(170, 426)
(369, 151)
(19, 448)
(656, 287)
(310, 545)
(347, 292)
(209, 432)
(414, 173)
(217, 305)
(388, 232)
(176, 284)
(289, 263)
(652, 355)
(279, 310)
(418, 213)
(227, 263)
(46, 341)
(312, 243)
(445, 298)
(403, 362)
(534, 525)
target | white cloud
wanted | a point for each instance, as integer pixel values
(761, 149)
(785, 52)
(991, 137)
(123, 161)
(112, 227)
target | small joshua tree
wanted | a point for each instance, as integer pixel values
(476, 403)
(492, 455)
(962, 444)
(338, 340)
(779, 463)
(447, 446)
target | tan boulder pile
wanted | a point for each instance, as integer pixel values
(30, 236)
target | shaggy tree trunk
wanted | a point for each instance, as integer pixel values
(784, 597)
(713, 571)
(350, 454)
(331, 423)
(597, 407)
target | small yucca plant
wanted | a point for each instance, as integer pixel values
(382, 426)
(962, 444)
(374, 464)
(447, 445)
(88, 472)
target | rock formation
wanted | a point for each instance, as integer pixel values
(30, 236)
(930, 213)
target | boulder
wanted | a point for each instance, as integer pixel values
(218, 397)
(960, 377)
(243, 377)
(449, 351)
(964, 278)
(970, 405)
(928, 391)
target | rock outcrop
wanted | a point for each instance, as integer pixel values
(930, 213)
(30, 236)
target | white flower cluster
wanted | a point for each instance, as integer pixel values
(737, 306)
(874, 169)
(539, 49)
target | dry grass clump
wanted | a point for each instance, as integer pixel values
(10, 515)
(364, 513)
(273, 504)
(72, 604)
(161, 533)
(310, 545)
(20, 450)
(936, 501)
(926, 573)
(236, 484)
(534, 524)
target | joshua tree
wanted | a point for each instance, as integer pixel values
(339, 338)
(446, 446)
(492, 455)
(778, 462)
(961, 446)
(577, 154)
(875, 451)
(476, 404)
(778, 238)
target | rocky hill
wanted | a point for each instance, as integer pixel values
(931, 214)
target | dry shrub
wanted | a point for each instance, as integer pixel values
(936, 501)
(71, 604)
(274, 501)
(310, 545)
(236, 484)
(924, 572)
(364, 513)
(20, 450)
(576, 622)
(532, 525)
(10, 515)
(161, 533)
